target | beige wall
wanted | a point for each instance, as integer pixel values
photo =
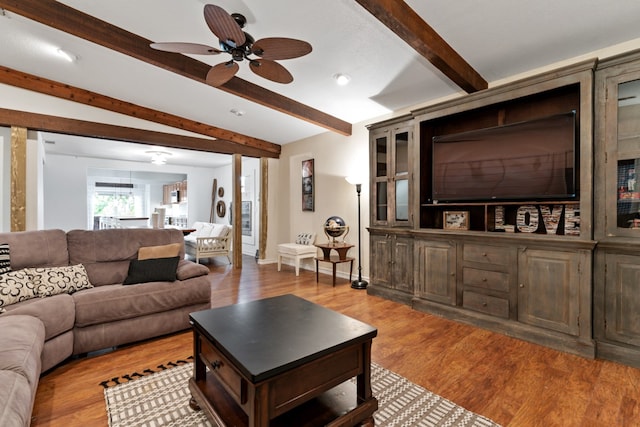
(335, 157)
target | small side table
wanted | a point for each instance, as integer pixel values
(342, 249)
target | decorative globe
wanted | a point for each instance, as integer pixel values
(335, 227)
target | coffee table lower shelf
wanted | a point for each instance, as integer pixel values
(334, 408)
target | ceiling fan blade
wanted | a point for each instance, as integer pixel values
(189, 48)
(280, 48)
(222, 73)
(223, 25)
(271, 70)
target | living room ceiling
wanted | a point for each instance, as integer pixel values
(498, 39)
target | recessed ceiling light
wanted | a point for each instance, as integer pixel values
(237, 112)
(66, 55)
(342, 79)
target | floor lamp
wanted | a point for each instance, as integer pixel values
(358, 283)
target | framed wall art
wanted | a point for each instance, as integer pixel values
(307, 185)
(455, 220)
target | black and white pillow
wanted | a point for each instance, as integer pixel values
(50, 281)
(304, 238)
(5, 260)
(15, 286)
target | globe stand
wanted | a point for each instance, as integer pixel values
(333, 233)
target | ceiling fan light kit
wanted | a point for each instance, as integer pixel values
(261, 55)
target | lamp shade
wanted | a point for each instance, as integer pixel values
(354, 179)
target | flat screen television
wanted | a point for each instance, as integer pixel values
(533, 160)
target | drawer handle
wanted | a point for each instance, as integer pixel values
(216, 364)
(484, 304)
(522, 285)
(484, 254)
(484, 279)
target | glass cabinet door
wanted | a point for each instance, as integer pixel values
(390, 178)
(381, 166)
(401, 174)
(627, 190)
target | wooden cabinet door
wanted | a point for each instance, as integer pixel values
(435, 271)
(549, 289)
(622, 298)
(381, 260)
(402, 264)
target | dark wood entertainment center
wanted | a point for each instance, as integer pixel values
(564, 273)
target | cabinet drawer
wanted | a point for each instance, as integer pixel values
(486, 279)
(487, 304)
(486, 254)
(224, 371)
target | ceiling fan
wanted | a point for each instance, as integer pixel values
(260, 54)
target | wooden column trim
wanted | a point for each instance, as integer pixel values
(18, 178)
(264, 207)
(236, 170)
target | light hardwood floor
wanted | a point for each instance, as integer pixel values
(513, 382)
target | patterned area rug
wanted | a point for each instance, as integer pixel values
(161, 398)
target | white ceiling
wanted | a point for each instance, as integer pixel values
(499, 38)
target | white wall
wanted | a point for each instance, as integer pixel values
(251, 172)
(34, 214)
(5, 179)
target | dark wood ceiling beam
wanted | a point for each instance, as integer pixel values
(72, 21)
(411, 28)
(48, 123)
(49, 87)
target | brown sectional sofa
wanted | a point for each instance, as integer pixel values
(40, 333)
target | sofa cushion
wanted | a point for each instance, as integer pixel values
(50, 281)
(205, 231)
(296, 249)
(41, 248)
(106, 253)
(15, 286)
(16, 400)
(5, 259)
(57, 313)
(117, 302)
(22, 343)
(219, 230)
(187, 270)
(152, 270)
(20, 366)
(163, 251)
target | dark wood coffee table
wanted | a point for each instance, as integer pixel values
(282, 361)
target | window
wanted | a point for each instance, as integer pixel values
(118, 200)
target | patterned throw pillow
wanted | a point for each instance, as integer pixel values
(5, 261)
(15, 286)
(304, 238)
(50, 281)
